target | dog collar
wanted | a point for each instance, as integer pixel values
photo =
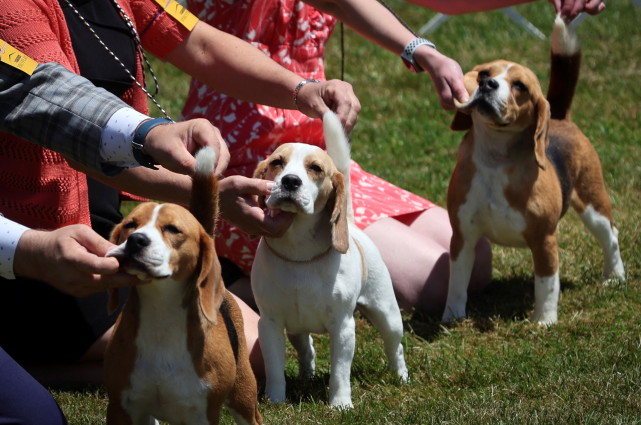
(289, 260)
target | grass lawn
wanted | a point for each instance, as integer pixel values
(496, 367)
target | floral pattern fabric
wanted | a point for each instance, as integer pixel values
(294, 35)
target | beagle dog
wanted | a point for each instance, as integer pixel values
(520, 165)
(321, 270)
(178, 352)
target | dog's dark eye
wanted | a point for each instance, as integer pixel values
(130, 225)
(276, 163)
(315, 168)
(170, 228)
(519, 86)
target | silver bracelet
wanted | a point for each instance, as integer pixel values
(410, 49)
(300, 86)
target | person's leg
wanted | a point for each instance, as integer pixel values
(416, 253)
(250, 323)
(435, 223)
(22, 399)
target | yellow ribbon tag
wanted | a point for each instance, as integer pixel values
(15, 58)
(179, 12)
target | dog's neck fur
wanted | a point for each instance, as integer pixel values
(495, 147)
(307, 237)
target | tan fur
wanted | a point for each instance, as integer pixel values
(194, 261)
(509, 127)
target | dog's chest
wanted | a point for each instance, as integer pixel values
(164, 382)
(486, 210)
(308, 297)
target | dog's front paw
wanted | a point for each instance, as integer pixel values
(544, 318)
(341, 403)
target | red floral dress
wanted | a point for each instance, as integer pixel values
(294, 35)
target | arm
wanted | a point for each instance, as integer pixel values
(376, 23)
(70, 259)
(234, 67)
(65, 112)
(569, 9)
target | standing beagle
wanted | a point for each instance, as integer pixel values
(323, 268)
(178, 352)
(519, 167)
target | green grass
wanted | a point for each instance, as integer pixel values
(496, 367)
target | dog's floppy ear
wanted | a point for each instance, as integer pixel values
(541, 132)
(117, 237)
(261, 169)
(338, 220)
(209, 284)
(462, 120)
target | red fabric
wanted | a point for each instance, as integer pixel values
(294, 34)
(37, 186)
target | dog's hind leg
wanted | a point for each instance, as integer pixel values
(608, 237)
(304, 345)
(386, 317)
(590, 200)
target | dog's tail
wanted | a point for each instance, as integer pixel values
(204, 192)
(564, 69)
(338, 149)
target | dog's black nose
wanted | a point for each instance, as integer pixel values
(291, 182)
(136, 242)
(488, 84)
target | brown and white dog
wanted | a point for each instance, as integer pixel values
(521, 164)
(178, 352)
(323, 268)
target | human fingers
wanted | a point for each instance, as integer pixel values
(206, 134)
(315, 99)
(594, 7)
(276, 223)
(173, 145)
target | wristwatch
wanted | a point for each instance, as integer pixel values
(138, 143)
(408, 53)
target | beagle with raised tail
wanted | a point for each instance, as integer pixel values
(178, 353)
(520, 165)
(313, 278)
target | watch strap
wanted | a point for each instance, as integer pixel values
(410, 49)
(138, 143)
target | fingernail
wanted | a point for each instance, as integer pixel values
(270, 185)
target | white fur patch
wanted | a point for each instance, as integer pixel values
(564, 38)
(206, 161)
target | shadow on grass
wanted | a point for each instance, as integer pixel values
(509, 299)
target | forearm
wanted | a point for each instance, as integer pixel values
(161, 184)
(457, 7)
(234, 67)
(57, 109)
(370, 19)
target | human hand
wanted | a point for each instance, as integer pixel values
(173, 145)
(315, 99)
(570, 9)
(446, 74)
(71, 259)
(240, 204)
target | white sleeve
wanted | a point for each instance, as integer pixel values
(115, 144)
(10, 234)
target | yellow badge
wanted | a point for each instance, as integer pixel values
(179, 12)
(11, 56)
